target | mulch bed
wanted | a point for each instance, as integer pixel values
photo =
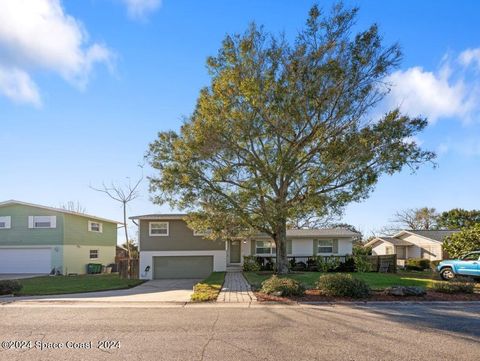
(315, 296)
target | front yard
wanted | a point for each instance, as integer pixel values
(209, 288)
(377, 281)
(54, 285)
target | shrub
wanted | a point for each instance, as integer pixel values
(347, 266)
(434, 264)
(467, 240)
(250, 264)
(342, 285)
(328, 264)
(8, 287)
(362, 264)
(300, 266)
(461, 286)
(282, 287)
(312, 264)
(417, 264)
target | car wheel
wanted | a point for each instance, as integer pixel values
(447, 274)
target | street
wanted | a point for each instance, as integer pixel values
(340, 332)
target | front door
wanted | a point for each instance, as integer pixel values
(235, 251)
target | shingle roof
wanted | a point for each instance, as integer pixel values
(321, 232)
(437, 235)
(392, 240)
(161, 216)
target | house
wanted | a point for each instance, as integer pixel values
(407, 244)
(39, 239)
(170, 249)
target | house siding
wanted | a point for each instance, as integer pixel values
(180, 238)
(76, 232)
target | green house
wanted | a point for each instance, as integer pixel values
(38, 240)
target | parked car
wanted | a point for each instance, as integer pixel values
(468, 265)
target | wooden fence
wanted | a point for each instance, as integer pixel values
(385, 263)
(122, 268)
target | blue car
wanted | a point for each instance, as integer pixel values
(468, 265)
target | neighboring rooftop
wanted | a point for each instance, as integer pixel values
(61, 210)
(437, 235)
(161, 216)
(392, 240)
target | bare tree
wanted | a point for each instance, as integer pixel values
(415, 218)
(123, 193)
(73, 206)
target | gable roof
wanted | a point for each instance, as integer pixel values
(391, 240)
(60, 210)
(161, 216)
(435, 235)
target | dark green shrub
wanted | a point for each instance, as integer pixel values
(282, 287)
(250, 264)
(460, 286)
(347, 266)
(342, 285)
(417, 264)
(8, 287)
(362, 264)
(300, 266)
(327, 264)
(312, 264)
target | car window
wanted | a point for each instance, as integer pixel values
(471, 257)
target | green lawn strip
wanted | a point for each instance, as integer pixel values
(376, 281)
(209, 288)
(54, 285)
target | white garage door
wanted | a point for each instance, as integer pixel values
(25, 260)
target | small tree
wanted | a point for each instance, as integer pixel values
(467, 240)
(285, 131)
(458, 218)
(73, 207)
(124, 194)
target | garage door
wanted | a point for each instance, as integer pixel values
(182, 266)
(25, 260)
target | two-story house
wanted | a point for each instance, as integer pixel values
(170, 249)
(38, 239)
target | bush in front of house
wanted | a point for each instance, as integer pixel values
(417, 264)
(466, 285)
(342, 285)
(327, 264)
(250, 264)
(362, 264)
(282, 287)
(347, 266)
(8, 287)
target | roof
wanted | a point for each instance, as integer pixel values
(391, 240)
(161, 216)
(436, 235)
(60, 210)
(321, 232)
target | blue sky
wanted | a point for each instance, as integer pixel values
(86, 85)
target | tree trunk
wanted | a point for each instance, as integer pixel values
(127, 241)
(280, 239)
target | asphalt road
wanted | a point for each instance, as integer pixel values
(388, 332)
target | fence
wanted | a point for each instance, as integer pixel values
(385, 263)
(122, 268)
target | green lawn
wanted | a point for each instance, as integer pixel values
(52, 285)
(209, 288)
(376, 281)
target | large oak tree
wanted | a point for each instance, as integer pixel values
(286, 130)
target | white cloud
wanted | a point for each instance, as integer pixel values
(468, 147)
(40, 36)
(470, 57)
(139, 9)
(450, 92)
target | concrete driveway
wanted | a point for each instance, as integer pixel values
(168, 290)
(18, 276)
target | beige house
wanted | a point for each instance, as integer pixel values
(411, 244)
(170, 249)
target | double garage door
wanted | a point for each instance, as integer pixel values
(182, 266)
(25, 260)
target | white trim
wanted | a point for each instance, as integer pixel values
(100, 227)
(146, 259)
(10, 202)
(157, 234)
(7, 220)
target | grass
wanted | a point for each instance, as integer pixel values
(54, 285)
(377, 281)
(209, 288)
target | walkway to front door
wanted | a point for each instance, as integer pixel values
(236, 289)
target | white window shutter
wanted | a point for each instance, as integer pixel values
(30, 221)
(53, 222)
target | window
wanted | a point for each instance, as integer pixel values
(471, 257)
(95, 227)
(325, 246)
(5, 222)
(93, 253)
(265, 247)
(158, 229)
(42, 222)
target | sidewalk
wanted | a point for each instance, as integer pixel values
(236, 289)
